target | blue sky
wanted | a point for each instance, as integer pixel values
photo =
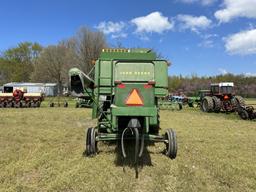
(203, 37)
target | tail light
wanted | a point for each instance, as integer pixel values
(226, 97)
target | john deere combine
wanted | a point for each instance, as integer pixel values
(125, 92)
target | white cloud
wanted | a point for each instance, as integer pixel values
(223, 71)
(236, 8)
(243, 43)
(154, 22)
(207, 40)
(202, 2)
(111, 27)
(117, 36)
(194, 23)
(206, 43)
(249, 74)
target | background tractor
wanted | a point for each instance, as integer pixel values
(220, 97)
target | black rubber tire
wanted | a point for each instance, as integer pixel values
(217, 104)
(239, 100)
(65, 104)
(38, 103)
(88, 142)
(207, 104)
(77, 105)
(180, 106)
(9, 105)
(93, 141)
(1, 104)
(243, 114)
(171, 146)
(17, 105)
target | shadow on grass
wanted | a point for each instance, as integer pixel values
(144, 160)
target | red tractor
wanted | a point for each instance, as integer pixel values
(220, 97)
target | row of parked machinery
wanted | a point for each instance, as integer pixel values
(20, 98)
(221, 97)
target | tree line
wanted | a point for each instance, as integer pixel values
(190, 85)
(31, 62)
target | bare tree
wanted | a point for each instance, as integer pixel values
(86, 46)
(53, 65)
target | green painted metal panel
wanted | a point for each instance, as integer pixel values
(133, 54)
(105, 76)
(134, 111)
(161, 74)
(134, 71)
(146, 94)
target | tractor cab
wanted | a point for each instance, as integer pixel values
(225, 88)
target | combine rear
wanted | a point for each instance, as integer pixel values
(125, 91)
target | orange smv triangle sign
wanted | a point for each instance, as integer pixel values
(134, 98)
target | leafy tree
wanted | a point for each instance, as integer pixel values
(24, 56)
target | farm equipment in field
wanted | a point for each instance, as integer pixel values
(220, 97)
(169, 105)
(19, 98)
(126, 89)
(58, 103)
(246, 112)
(85, 102)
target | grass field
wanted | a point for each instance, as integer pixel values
(41, 150)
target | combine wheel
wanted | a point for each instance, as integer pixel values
(1, 104)
(38, 104)
(217, 104)
(243, 114)
(171, 144)
(239, 100)
(91, 143)
(207, 104)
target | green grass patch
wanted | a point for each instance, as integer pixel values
(41, 150)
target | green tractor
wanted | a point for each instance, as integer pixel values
(126, 90)
(220, 97)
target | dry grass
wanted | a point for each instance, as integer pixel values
(41, 150)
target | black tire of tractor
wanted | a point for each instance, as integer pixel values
(217, 104)
(239, 100)
(243, 114)
(77, 105)
(207, 104)
(171, 146)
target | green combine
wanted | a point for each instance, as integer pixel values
(125, 91)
